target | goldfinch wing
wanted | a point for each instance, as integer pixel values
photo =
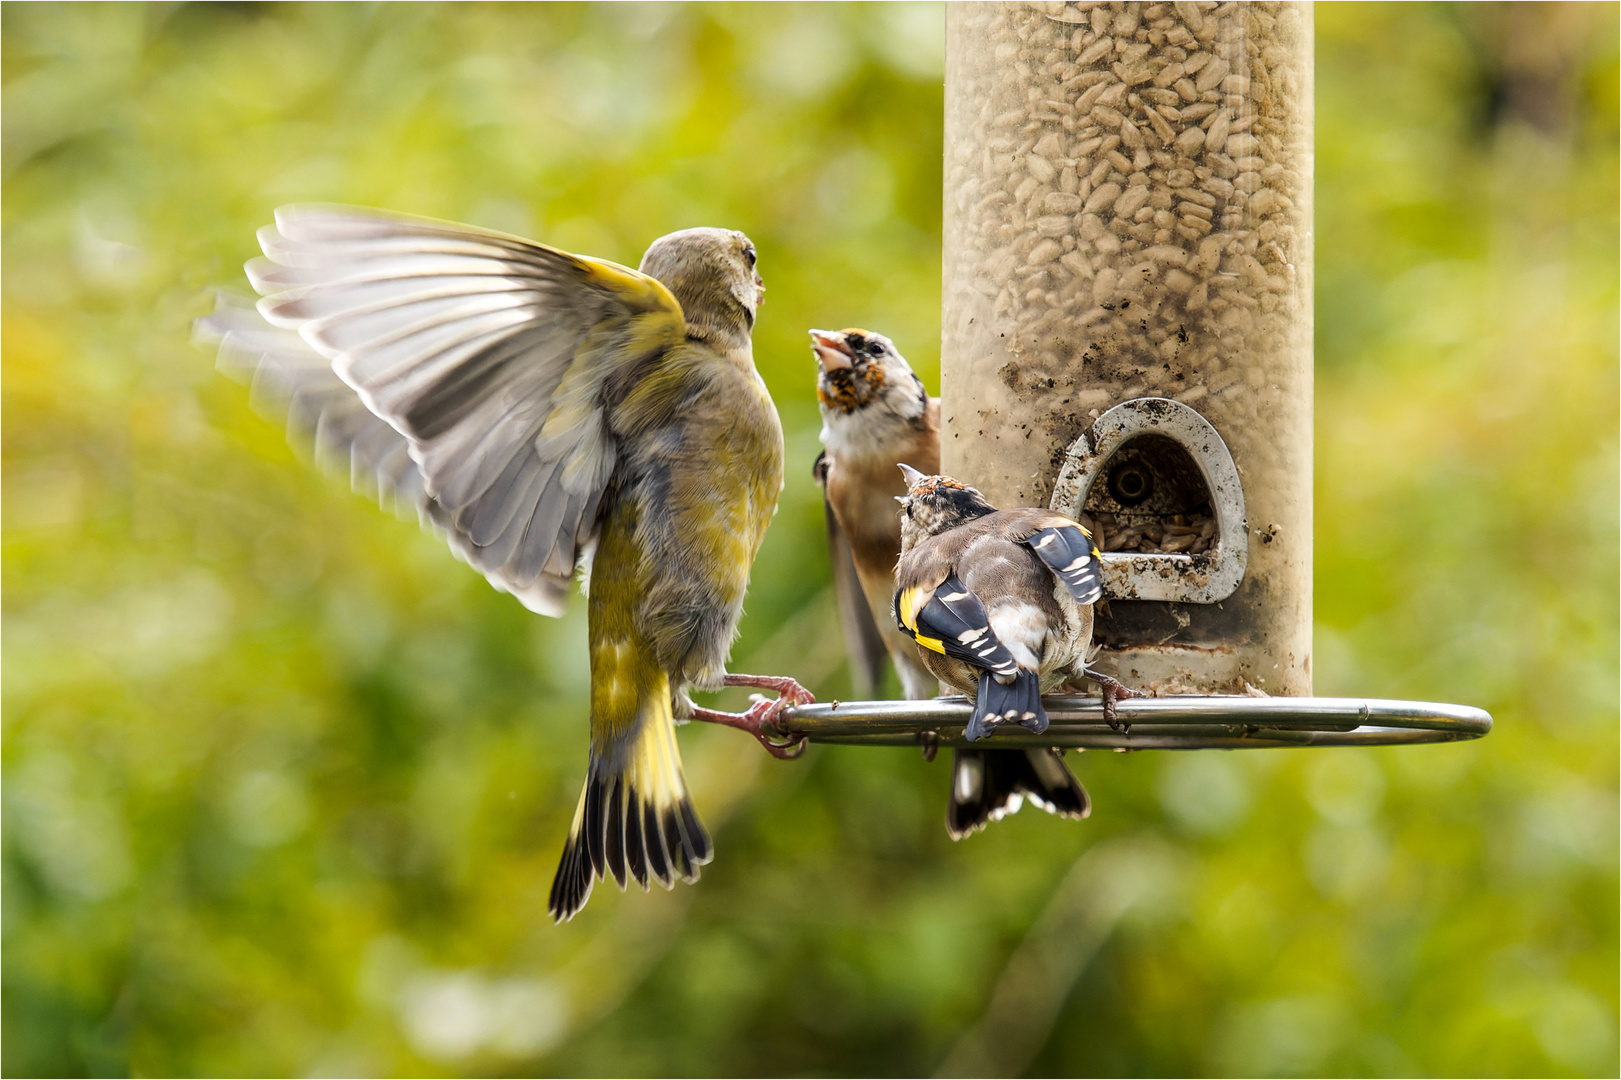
(1068, 551)
(952, 621)
(861, 637)
(492, 356)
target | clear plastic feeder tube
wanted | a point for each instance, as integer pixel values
(1128, 215)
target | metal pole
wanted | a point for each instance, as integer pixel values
(1128, 302)
(1171, 723)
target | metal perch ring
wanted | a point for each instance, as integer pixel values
(1169, 723)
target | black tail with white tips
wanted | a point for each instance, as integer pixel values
(1017, 702)
(987, 785)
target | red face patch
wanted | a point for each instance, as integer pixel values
(848, 389)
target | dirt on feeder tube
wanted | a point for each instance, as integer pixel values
(1128, 214)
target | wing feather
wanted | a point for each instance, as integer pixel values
(952, 621)
(324, 419)
(1068, 551)
(488, 357)
(517, 490)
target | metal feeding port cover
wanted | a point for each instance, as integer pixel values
(1158, 458)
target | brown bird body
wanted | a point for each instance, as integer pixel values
(875, 416)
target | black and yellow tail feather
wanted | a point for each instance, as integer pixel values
(635, 820)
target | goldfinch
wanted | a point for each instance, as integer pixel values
(999, 601)
(552, 414)
(875, 415)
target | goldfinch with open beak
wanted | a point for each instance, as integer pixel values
(875, 415)
(999, 601)
(549, 413)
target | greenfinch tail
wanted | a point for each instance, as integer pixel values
(635, 819)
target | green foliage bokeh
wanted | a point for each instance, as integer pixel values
(285, 784)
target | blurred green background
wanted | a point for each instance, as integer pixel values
(284, 784)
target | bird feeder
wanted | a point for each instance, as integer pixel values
(1127, 338)
(1128, 330)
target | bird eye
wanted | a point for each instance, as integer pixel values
(875, 348)
(749, 257)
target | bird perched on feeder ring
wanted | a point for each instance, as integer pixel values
(550, 413)
(875, 415)
(999, 601)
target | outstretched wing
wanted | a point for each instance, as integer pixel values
(951, 620)
(861, 637)
(493, 357)
(1070, 554)
(294, 384)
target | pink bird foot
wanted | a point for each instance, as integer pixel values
(763, 713)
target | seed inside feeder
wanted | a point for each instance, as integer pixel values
(1128, 214)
